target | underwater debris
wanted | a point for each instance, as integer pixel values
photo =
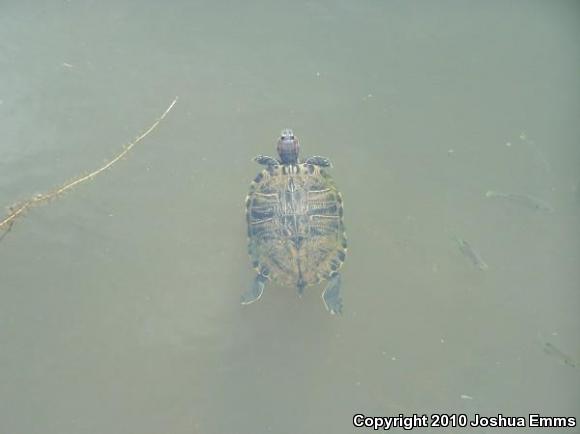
(471, 254)
(552, 350)
(18, 210)
(523, 199)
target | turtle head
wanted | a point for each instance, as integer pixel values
(288, 147)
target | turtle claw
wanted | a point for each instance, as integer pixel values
(255, 292)
(331, 296)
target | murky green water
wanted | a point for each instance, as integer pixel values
(119, 302)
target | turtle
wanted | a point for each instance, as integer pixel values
(296, 234)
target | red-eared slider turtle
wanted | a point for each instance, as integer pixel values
(295, 230)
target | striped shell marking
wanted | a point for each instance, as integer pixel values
(295, 228)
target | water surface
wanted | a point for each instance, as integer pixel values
(119, 308)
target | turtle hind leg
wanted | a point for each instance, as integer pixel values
(300, 287)
(331, 295)
(256, 291)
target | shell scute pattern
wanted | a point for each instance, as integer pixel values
(295, 225)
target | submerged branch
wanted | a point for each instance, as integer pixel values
(18, 210)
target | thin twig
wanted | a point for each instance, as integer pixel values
(18, 210)
(6, 230)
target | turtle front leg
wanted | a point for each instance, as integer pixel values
(331, 295)
(264, 160)
(256, 291)
(317, 160)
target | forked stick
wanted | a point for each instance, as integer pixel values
(19, 209)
